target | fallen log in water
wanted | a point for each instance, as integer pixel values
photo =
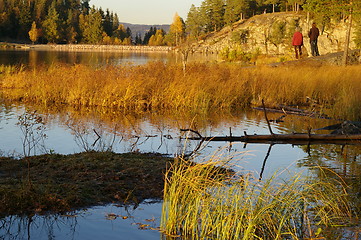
(294, 138)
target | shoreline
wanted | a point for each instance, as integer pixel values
(86, 47)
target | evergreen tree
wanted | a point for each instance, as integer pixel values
(296, 4)
(71, 32)
(51, 25)
(148, 35)
(212, 12)
(91, 27)
(235, 10)
(194, 25)
(40, 10)
(108, 23)
(273, 2)
(85, 7)
(120, 33)
(138, 39)
(25, 19)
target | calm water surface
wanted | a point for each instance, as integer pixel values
(35, 58)
(71, 131)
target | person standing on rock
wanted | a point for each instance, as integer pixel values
(313, 35)
(297, 42)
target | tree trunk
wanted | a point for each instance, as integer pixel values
(347, 41)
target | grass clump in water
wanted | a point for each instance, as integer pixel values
(199, 206)
(61, 183)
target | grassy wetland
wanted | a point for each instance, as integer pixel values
(158, 86)
(200, 200)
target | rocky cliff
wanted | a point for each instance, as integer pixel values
(271, 34)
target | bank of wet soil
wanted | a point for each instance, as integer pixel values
(61, 183)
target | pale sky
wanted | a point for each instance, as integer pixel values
(147, 11)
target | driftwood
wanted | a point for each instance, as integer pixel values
(346, 133)
(294, 138)
(293, 111)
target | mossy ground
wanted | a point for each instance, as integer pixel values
(61, 183)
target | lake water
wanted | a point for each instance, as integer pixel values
(33, 58)
(71, 131)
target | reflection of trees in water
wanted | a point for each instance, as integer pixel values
(103, 128)
(29, 227)
(344, 160)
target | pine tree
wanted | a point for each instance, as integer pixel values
(25, 19)
(40, 10)
(108, 23)
(120, 33)
(148, 35)
(91, 27)
(235, 10)
(212, 14)
(115, 22)
(51, 25)
(273, 2)
(138, 39)
(71, 33)
(194, 25)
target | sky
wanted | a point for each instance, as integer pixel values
(148, 12)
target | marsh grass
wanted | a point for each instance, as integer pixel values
(204, 87)
(199, 206)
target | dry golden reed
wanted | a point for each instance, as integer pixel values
(199, 206)
(204, 87)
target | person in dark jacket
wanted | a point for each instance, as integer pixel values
(297, 42)
(313, 35)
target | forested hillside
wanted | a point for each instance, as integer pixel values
(213, 15)
(76, 21)
(67, 21)
(54, 21)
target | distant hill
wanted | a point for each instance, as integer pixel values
(142, 28)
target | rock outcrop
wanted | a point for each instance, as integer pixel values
(271, 33)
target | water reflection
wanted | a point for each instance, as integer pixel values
(70, 130)
(102, 222)
(35, 58)
(85, 129)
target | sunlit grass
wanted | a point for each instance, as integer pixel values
(204, 87)
(199, 206)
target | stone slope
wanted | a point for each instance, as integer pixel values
(259, 31)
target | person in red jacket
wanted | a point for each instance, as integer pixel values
(297, 42)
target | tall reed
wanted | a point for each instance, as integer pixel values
(198, 205)
(204, 87)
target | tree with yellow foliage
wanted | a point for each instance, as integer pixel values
(157, 39)
(34, 33)
(176, 32)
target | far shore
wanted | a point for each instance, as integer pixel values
(86, 47)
